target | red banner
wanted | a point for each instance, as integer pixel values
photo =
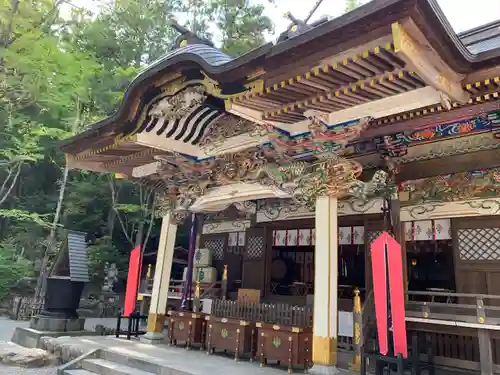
(395, 261)
(380, 290)
(386, 255)
(134, 267)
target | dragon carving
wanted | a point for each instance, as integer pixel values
(364, 190)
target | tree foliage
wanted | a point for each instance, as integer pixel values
(61, 68)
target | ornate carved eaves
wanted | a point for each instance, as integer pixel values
(427, 64)
(461, 186)
(220, 198)
(226, 226)
(236, 211)
(450, 147)
(441, 210)
(319, 138)
(178, 105)
(275, 210)
(231, 133)
(179, 201)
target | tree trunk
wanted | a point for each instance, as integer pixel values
(41, 283)
(111, 222)
(44, 270)
(140, 234)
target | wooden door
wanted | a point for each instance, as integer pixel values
(233, 259)
(254, 260)
(476, 245)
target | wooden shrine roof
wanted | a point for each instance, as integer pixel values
(336, 36)
(390, 78)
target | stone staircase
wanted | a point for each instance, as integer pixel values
(107, 362)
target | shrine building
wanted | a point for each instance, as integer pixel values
(292, 158)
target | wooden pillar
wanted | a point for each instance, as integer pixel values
(161, 282)
(357, 331)
(324, 353)
(485, 352)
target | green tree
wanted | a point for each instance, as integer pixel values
(243, 26)
(58, 74)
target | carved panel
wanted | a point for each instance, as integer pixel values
(372, 236)
(437, 210)
(479, 244)
(255, 247)
(287, 209)
(216, 246)
(460, 186)
(226, 226)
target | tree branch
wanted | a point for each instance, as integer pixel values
(13, 183)
(118, 215)
(151, 220)
(4, 184)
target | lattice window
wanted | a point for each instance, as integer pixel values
(255, 247)
(373, 235)
(216, 247)
(479, 244)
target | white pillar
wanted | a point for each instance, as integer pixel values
(324, 353)
(161, 282)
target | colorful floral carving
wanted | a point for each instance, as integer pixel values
(453, 187)
(276, 341)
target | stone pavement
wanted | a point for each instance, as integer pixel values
(193, 361)
(7, 327)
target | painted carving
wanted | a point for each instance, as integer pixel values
(491, 205)
(275, 209)
(188, 194)
(240, 167)
(226, 227)
(395, 145)
(422, 210)
(231, 213)
(364, 190)
(456, 147)
(323, 138)
(177, 201)
(453, 187)
(335, 177)
(179, 105)
(227, 127)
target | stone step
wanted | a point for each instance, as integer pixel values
(144, 364)
(105, 367)
(78, 372)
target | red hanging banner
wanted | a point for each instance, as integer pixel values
(380, 290)
(387, 269)
(395, 263)
(132, 281)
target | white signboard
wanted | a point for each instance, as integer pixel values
(346, 324)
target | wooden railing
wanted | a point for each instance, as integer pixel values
(280, 313)
(463, 329)
(176, 289)
(457, 307)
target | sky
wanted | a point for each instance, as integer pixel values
(462, 14)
